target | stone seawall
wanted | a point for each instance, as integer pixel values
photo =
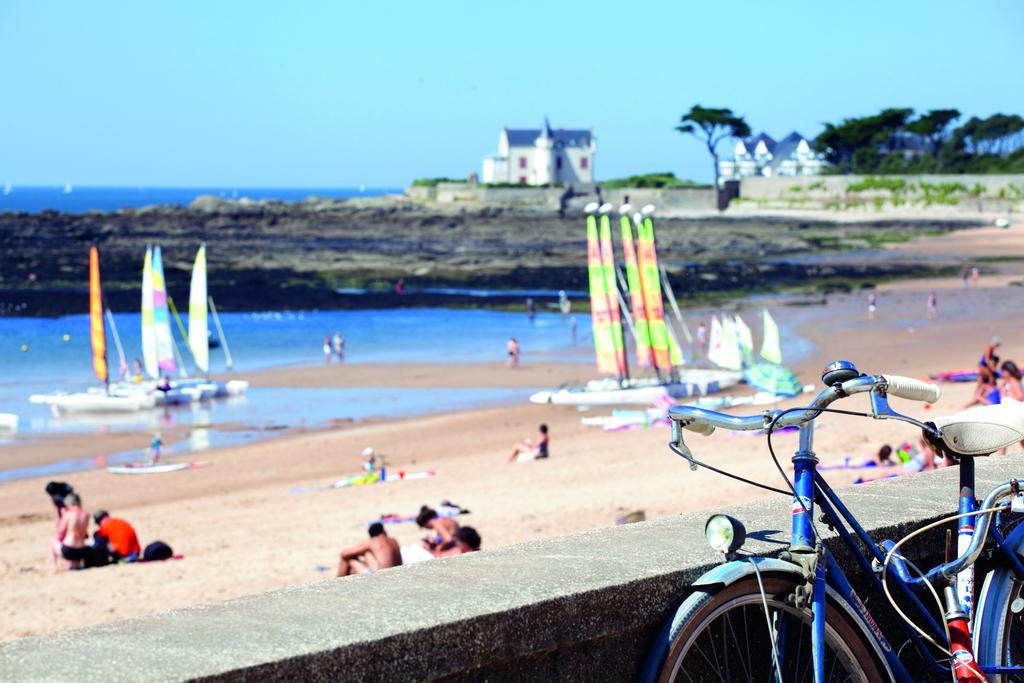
(473, 196)
(584, 606)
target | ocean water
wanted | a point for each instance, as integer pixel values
(33, 199)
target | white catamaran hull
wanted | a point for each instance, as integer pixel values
(606, 393)
(90, 402)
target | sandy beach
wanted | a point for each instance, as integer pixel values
(242, 530)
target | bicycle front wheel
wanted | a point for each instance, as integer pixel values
(724, 636)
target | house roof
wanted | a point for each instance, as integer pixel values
(785, 148)
(751, 143)
(525, 137)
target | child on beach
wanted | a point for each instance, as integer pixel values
(327, 350)
(154, 448)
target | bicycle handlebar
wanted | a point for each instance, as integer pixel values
(703, 421)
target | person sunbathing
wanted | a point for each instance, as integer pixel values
(467, 540)
(527, 450)
(379, 551)
(444, 529)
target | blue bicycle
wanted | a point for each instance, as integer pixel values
(797, 617)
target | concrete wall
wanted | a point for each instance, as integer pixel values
(981, 192)
(584, 606)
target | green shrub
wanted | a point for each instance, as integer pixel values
(894, 185)
(434, 182)
(652, 180)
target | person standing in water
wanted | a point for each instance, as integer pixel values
(872, 305)
(338, 346)
(531, 308)
(933, 306)
(572, 330)
(513, 353)
(327, 350)
(154, 448)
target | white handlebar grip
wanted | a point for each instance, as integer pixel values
(700, 428)
(913, 389)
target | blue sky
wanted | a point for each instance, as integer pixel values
(323, 94)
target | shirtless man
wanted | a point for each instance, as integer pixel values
(72, 531)
(380, 551)
(444, 529)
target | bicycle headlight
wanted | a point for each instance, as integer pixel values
(724, 533)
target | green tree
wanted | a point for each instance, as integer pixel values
(880, 132)
(711, 126)
(931, 127)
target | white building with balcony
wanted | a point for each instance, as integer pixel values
(761, 155)
(542, 156)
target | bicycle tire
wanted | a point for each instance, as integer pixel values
(694, 650)
(999, 631)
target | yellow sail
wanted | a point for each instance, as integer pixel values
(97, 330)
(604, 347)
(771, 349)
(148, 318)
(198, 326)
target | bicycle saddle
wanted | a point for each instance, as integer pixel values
(983, 430)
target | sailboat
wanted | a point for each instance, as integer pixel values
(200, 305)
(96, 400)
(8, 188)
(656, 347)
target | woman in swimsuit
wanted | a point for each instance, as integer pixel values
(986, 392)
(72, 531)
(1011, 384)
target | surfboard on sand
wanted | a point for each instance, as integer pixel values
(159, 468)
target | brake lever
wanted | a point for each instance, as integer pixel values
(881, 410)
(678, 446)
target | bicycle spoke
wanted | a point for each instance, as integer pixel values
(746, 670)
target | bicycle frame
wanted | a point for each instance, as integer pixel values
(811, 489)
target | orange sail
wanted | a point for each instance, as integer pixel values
(97, 331)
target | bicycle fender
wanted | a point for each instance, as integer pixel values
(731, 572)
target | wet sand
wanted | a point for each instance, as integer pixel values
(242, 530)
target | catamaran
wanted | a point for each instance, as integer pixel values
(656, 346)
(161, 358)
(96, 400)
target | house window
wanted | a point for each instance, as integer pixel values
(558, 163)
(583, 162)
(522, 180)
(522, 162)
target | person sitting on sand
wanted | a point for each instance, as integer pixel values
(467, 540)
(986, 392)
(989, 359)
(371, 458)
(527, 450)
(117, 536)
(444, 529)
(1010, 382)
(379, 551)
(72, 531)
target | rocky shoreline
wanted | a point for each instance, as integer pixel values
(275, 255)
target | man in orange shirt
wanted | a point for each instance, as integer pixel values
(119, 537)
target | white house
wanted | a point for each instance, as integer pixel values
(761, 155)
(542, 156)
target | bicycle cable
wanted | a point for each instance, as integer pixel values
(768, 619)
(913, 534)
(693, 461)
(792, 489)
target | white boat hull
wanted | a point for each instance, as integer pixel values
(89, 402)
(692, 383)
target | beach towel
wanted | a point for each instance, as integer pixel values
(414, 552)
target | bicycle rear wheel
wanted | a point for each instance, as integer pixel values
(723, 635)
(999, 629)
